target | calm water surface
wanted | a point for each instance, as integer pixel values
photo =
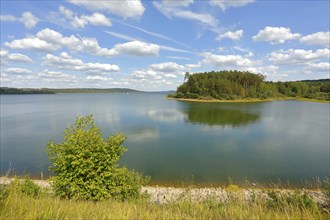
(177, 142)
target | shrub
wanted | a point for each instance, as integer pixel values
(179, 95)
(86, 166)
(29, 188)
(194, 96)
(25, 186)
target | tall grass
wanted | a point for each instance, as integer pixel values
(18, 203)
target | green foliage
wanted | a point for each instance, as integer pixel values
(297, 199)
(221, 85)
(29, 188)
(20, 206)
(230, 85)
(232, 188)
(25, 186)
(3, 194)
(86, 166)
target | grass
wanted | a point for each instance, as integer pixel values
(18, 202)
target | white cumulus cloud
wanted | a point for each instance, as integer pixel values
(97, 78)
(65, 61)
(27, 19)
(54, 74)
(167, 67)
(225, 4)
(323, 66)
(137, 48)
(299, 56)
(146, 74)
(122, 8)
(3, 53)
(49, 40)
(161, 74)
(19, 57)
(15, 70)
(226, 61)
(14, 57)
(318, 39)
(97, 19)
(275, 35)
(271, 72)
(51, 76)
(237, 35)
(67, 13)
(81, 21)
(32, 43)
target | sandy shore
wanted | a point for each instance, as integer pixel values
(163, 195)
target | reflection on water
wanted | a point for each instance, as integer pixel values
(141, 135)
(176, 142)
(211, 116)
(166, 115)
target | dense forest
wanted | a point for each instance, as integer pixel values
(231, 85)
(7, 90)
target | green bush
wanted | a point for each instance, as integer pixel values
(85, 165)
(29, 188)
(25, 186)
(179, 95)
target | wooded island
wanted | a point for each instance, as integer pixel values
(235, 85)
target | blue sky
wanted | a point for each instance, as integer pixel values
(149, 45)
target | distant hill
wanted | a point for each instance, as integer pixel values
(14, 91)
(7, 90)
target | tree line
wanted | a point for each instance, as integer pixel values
(231, 85)
(14, 91)
(9, 91)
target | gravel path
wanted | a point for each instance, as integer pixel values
(163, 195)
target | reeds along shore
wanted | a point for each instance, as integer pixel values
(19, 201)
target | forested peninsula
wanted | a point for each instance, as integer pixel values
(238, 85)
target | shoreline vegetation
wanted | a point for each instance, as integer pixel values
(34, 199)
(18, 91)
(237, 86)
(249, 100)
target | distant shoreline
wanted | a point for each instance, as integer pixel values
(25, 91)
(248, 100)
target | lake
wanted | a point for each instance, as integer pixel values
(177, 142)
